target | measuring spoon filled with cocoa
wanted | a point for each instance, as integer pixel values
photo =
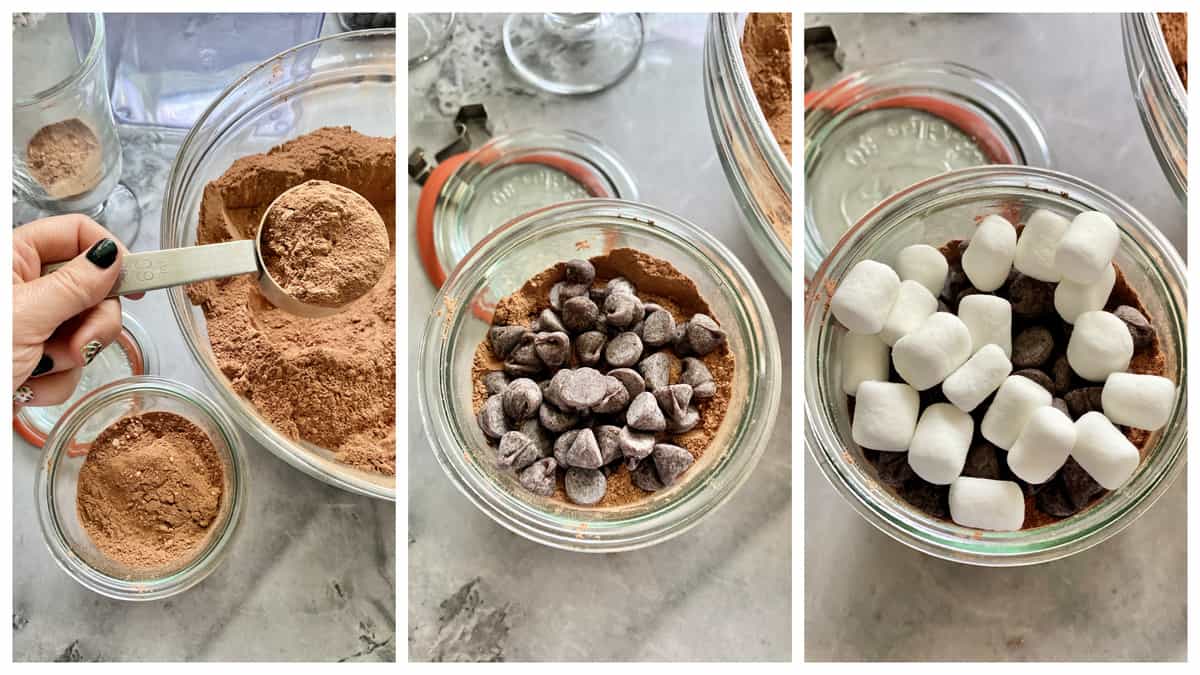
(319, 247)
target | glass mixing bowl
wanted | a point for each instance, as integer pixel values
(66, 451)
(759, 174)
(344, 79)
(497, 267)
(932, 212)
(1160, 94)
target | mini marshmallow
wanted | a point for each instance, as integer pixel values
(1043, 446)
(989, 256)
(924, 264)
(935, 349)
(864, 357)
(940, 443)
(1087, 247)
(987, 504)
(865, 297)
(1072, 299)
(1038, 244)
(1139, 401)
(1014, 404)
(976, 379)
(989, 321)
(914, 303)
(885, 415)
(1099, 346)
(1103, 451)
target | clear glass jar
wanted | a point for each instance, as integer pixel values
(344, 79)
(947, 207)
(1160, 95)
(881, 129)
(66, 450)
(759, 174)
(497, 267)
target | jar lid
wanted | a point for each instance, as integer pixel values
(876, 131)
(131, 354)
(468, 196)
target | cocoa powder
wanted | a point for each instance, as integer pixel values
(328, 381)
(150, 489)
(1174, 30)
(64, 158)
(767, 53)
(324, 244)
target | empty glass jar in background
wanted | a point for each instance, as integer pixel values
(66, 154)
(428, 34)
(573, 53)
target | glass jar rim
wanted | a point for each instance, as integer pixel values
(59, 442)
(93, 57)
(700, 496)
(953, 542)
(1164, 115)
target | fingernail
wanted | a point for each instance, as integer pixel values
(45, 365)
(23, 394)
(103, 253)
(90, 350)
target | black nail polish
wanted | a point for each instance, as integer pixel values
(44, 366)
(103, 253)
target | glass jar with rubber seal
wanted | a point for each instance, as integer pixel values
(1160, 94)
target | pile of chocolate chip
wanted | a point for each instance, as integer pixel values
(601, 378)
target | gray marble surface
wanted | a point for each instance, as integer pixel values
(868, 597)
(310, 575)
(721, 590)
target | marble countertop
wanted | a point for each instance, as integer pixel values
(310, 575)
(720, 591)
(870, 598)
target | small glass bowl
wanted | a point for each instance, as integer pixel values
(1160, 94)
(66, 450)
(497, 267)
(759, 174)
(932, 212)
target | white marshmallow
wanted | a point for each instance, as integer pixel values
(1103, 451)
(1043, 446)
(976, 379)
(989, 256)
(935, 349)
(924, 264)
(1038, 244)
(989, 320)
(914, 303)
(865, 297)
(1139, 401)
(1087, 247)
(864, 357)
(940, 443)
(1099, 346)
(987, 504)
(885, 415)
(1072, 299)
(1014, 404)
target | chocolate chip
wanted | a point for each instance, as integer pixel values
(697, 374)
(583, 389)
(691, 417)
(496, 382)
(598, 294)
(673, 400)
(517, 451)
(1032, 347)
(635, 445)
(582, 451)
(491, 418)
(1080, 485)
(556, 420)
(1037, 376)
(620, 285)
(522, 399)
(704, 335)
(553, 389)
(956, 282)
(538, 435)
(1029, 297)
(671, 461)
(942, 306)
(679, 341)
(548, 322)
(539, 477)
(1061, 406)
(893, 470)
(608, 438)
(656, 370)
(634, 384)
(553, 349)
(623, 351)
(616, 397)
(561, 292)
(562, 445)
(932, 499)
(1083, 400)
(658, 329)
(1053, 500)
(585, 486)
(636, 328)
(645, 476)
(982, 462)
(579, 314)
(579, 272)
(622, 310)
(644, 414)
(589, 346)
(505, 339)
(652, 307)
(1139, 328)
(1060, 372)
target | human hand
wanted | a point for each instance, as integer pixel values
(61, 321)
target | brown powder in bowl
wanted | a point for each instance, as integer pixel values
(324, 244)
(149, 490)
(64, 158)
(328, 381)
(767, 52)
(1174, 30)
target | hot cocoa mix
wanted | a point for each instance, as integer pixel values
(328, 381)
(64, 158)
